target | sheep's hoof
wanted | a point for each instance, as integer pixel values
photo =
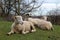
(8, 34)
(33, 30)
(24, 33)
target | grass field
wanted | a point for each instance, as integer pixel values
(38, 35)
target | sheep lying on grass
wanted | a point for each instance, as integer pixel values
(44, 18)
(41, 23)
(21, 26)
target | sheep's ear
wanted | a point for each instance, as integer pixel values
(14, 17)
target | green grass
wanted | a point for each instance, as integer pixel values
(38, 35)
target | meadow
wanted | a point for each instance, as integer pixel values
(38, 35)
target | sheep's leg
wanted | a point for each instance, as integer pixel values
(12, 29)
(11, 32)
(27, 32)
(24, 32)
(52, 28)
(33, 28)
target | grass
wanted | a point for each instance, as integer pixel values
(38, 35)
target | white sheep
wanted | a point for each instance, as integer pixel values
(23, 26)
(44, 18)
(41, 23)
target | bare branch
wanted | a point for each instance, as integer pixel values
(39, 5)
(30, 9)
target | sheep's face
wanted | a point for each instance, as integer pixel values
(18, 19)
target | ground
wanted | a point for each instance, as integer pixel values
(38, 35)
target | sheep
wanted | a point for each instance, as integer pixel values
(43, 24)
(21, 26)
(44, 18)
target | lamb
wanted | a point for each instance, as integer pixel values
(21, 26)
(41, 23)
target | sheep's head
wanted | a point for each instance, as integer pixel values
(18, 19)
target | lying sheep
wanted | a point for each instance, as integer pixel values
(44, 18)
(41, 23)
(21, 26)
